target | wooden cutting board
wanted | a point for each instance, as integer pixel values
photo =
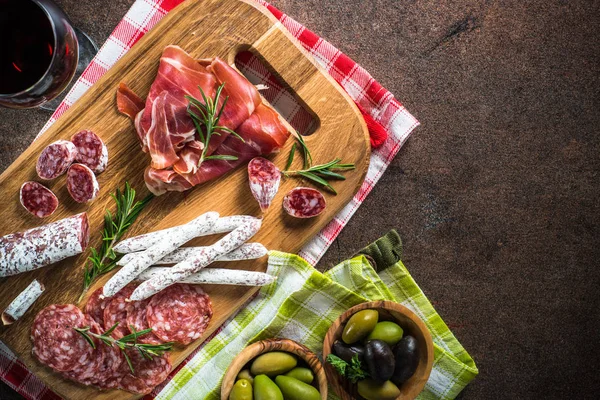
(204, 28)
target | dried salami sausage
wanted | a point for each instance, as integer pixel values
(180, 313)
(303, 202)
(44, 245)
(37, 199)
(81, 183)
(264, 179)
(55, 159)
(55, 342)
(91, 151)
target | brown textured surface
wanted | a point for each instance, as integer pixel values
(495, 195)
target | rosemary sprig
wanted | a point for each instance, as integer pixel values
(321, 173)
(127, 342)
(104, 259)
(205, 114)
(306, 156)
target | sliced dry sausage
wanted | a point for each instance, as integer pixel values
(55, 159)
(303, 202)
(264, 179)
(81, 183)
(37, 199)
(91, 151)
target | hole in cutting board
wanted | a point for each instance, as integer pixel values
(287, 104)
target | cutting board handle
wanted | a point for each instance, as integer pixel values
(296, 68)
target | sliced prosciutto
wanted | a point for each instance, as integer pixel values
(168, 134)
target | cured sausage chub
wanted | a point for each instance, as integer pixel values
(44, 245)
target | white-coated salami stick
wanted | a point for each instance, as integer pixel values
(44, 245)
(22, 302)
(142, 242)
(248, 251)
(180, 271)
(146, 258)
(216, 276)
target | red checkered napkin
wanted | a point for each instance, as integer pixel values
(383, 113)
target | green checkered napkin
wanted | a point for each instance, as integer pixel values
(302, 304)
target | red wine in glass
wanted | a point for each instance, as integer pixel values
(39, 52)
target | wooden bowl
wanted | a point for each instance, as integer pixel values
(412, 325)
(265, 346)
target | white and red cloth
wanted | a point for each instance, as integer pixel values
(389, 124)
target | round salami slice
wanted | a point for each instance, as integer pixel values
(38, 199)
(136, 317)
(81, 183)
(55, 342)
(91, 151)
(116, 311)
(147, 372)
(264, 179)
(180, 313)
(87, 372)
(55, 159)
(303, 202)
(95, 306)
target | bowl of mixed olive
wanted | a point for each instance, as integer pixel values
(275, 369)
(378, 351)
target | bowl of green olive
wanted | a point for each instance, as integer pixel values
(378, 350)
(275, 369)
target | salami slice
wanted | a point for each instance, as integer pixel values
(147, 372)
(81, 183)
(136, 317)
(37, 199)
(95, 306)
(22, 302)
(55, 342)
(91, 151)
(180, 313)
(55, 159)
(86, 372)
(182, 270)
(303, 202)
(264, 179)
(116, 311)
(44, 245)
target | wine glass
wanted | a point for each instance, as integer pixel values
(40, 53)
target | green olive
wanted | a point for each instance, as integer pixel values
(389, 332)
(302, 374)
(242, 390)
(266, 389)
(273, 363)
(245, 374)
(293, 389)
(359, 326)
(371, 390)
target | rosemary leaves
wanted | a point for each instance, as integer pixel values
(104, 259)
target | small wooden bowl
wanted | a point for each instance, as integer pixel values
(265, 346)
(412, 325)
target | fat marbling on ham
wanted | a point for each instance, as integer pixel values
(168, 134)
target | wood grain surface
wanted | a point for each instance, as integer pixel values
(410, 323)
(266, 346)
(204, 28)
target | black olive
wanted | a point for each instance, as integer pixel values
(407, 359)
(380, 360)
(347, 351)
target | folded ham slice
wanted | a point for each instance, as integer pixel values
(168, 134)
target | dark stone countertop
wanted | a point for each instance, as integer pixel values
(496, 195)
